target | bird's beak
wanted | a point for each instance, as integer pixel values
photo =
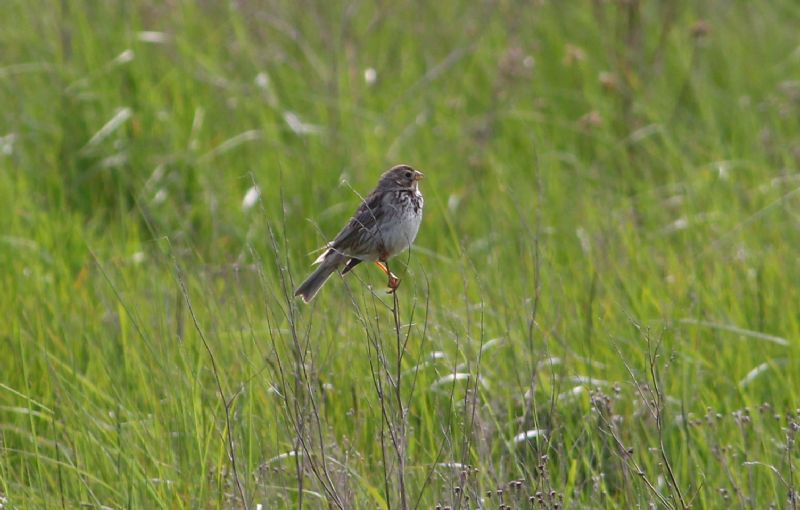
(419, 176)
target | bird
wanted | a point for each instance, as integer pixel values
(385, 224)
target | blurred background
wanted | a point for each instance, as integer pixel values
(599, 311)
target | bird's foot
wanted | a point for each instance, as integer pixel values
(394, 282)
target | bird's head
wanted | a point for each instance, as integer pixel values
(401, 176)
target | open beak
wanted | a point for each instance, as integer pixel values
(419, 176)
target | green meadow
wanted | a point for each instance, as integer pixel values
(600, 309)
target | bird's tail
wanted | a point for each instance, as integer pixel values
(330, 263)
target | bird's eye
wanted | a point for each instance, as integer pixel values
(408, 175)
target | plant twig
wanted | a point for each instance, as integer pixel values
(230, 444)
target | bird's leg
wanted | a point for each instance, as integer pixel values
(394, 281)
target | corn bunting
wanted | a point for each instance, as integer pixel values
(384, 225)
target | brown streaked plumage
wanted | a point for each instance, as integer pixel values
(384, 225)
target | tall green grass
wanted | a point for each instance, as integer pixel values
(608, 259)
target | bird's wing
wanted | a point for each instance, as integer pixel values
(361, 226)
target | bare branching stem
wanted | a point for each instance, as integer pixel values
(400, 443)
(230, 443)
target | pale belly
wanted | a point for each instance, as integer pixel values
(401, 234)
